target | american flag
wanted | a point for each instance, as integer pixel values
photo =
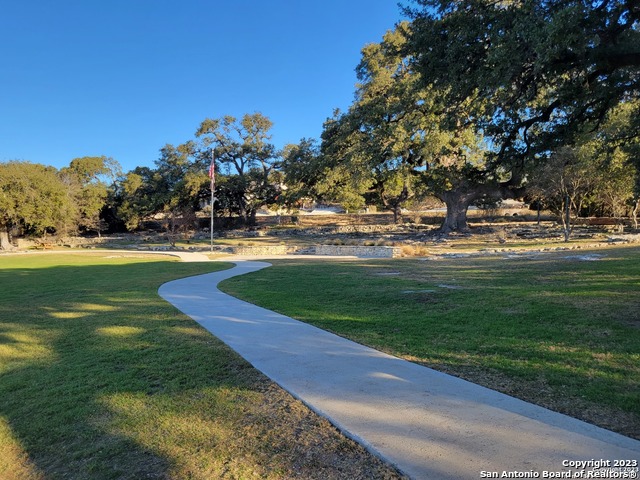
(212, 172)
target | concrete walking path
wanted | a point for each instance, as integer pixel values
(428, 424)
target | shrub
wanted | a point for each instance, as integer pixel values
(414, 251)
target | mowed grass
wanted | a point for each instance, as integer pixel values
(100, 378)
(552, 328)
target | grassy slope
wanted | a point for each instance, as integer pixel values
(100, 378)
(560, 332)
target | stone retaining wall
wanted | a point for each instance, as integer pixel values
(260, 250)
(358, 251)
(345, 230)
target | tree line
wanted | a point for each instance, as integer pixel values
(470, 102)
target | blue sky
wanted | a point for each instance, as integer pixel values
(122, 78)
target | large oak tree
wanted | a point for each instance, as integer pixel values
(398, 138)
(243, 147)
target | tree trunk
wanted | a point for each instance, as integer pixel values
(566, 219)
(395, 203)
(397, 211)
(5, 244)
(250, 217)
(634, 214)
(457, 205)
(466, 192)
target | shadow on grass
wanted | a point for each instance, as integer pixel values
(100, 378)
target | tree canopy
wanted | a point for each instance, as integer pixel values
(32, 197)
(37, 199)
(85, 180)
(244, 148)
(539, 73)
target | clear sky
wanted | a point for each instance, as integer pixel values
(122, 78)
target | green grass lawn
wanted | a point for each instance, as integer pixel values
(100, 378)
(560, 332)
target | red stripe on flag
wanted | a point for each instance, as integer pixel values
(212, 174)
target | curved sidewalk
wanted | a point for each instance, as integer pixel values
(428, 424)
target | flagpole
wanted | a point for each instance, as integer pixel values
(212, 175)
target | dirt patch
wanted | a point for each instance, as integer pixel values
(305, 445)
(427, 299)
